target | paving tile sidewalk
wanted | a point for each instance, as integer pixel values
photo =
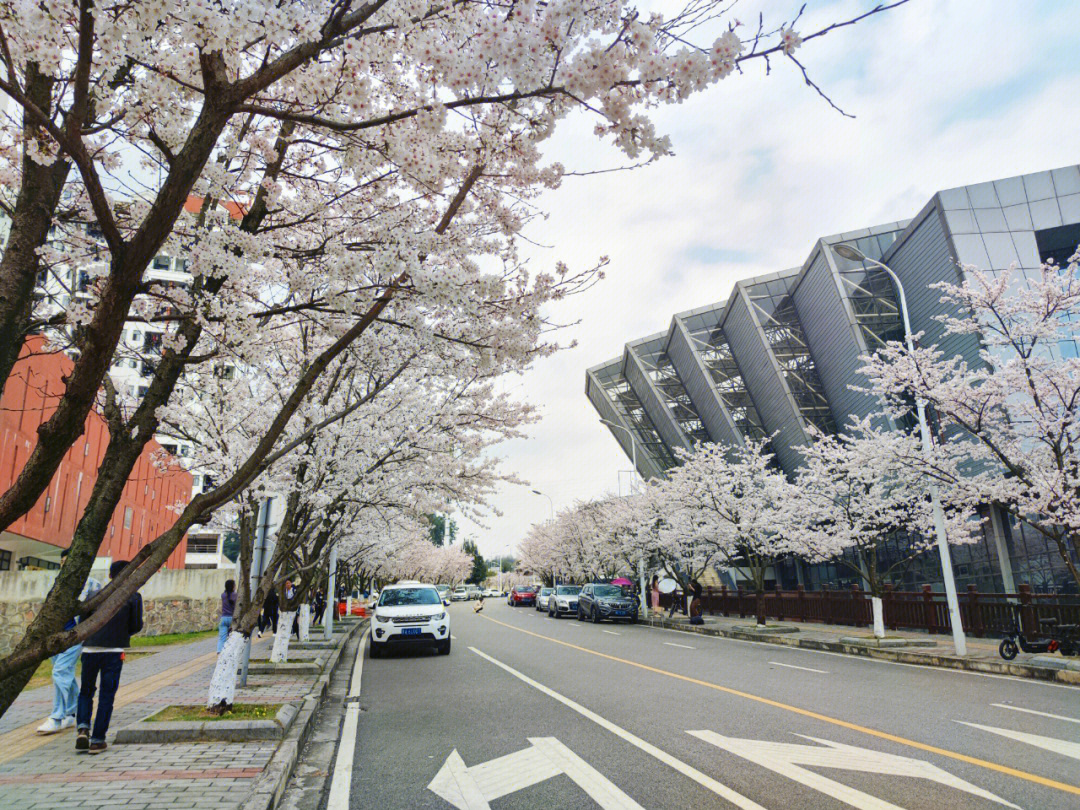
(982, 653)
(46, 772)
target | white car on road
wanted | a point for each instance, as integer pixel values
(410, 613)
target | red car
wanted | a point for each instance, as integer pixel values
(523, 595)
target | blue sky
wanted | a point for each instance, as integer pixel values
(945, 93)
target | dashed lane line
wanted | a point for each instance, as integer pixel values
(684, 646)
(793, 666)
(1033, 711)
(611, 633)
(873, 732)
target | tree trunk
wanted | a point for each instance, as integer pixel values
(305, 622)
(759, 605)
(280, 653)
(223, 682)
(879, 616)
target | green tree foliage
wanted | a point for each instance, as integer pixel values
(443, 530)
(507, 564)
(479, 571)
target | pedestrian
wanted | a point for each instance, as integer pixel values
(103, 656)
(269, 616)
(479, 603)
(319, 606)
(290, 595)
(228, 607)
(695, 603)
(655, 592)
(65, 687)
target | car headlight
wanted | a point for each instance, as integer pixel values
(438, 617)
(379, 618)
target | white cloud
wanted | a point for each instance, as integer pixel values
(946, 93)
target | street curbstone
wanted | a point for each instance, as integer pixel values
(1047, 668)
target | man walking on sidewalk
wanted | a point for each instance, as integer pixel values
(104, 655)
(65, 687)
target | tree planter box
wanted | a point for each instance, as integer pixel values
(313, 645)
(767, 630)
(148, 731)
(878, 643)
(289, 667)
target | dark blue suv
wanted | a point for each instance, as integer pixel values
(599, 601)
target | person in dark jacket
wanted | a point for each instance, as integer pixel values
(269, 616)
(103, 656)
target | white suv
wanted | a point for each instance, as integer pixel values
(410, 613)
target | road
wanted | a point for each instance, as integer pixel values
(532, 712)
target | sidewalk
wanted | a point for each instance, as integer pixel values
(46, 772)
(982, 653)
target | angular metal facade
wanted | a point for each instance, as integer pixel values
(782, 354)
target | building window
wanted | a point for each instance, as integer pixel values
(48, 502)
(5, 560)
(161, 263)
(127, 517)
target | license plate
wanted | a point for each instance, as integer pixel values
(620, 612)
(411, 631)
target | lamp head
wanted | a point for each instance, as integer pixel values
(537, 492)
(849, 252)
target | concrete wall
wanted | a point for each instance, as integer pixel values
(174, 601)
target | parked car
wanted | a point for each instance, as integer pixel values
(409, 613)
(459, 594)
(564, 600)
(522, 595)
(490, 592)
(444, 593)
(542, 598)
(474, 591)
(599, 601)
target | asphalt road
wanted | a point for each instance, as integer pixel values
(532, 712)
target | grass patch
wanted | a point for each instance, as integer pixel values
(171, 638)
(198, 714)
(43, 675)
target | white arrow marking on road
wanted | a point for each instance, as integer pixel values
(684, 646)
(472, 788)
(1032, 711)
(785, 759)
(1063, 747)
(804, 669)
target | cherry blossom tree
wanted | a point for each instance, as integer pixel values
(858, 487)
(734, 502)
(1015, 412)
(381, 157)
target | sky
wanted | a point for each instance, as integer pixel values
(944, 93)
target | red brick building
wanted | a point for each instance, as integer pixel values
(35, 540)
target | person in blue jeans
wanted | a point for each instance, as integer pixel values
(228, 606)
(65, 687)
(103, 658)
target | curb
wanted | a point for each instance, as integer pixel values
(1063, 672)
(269, 786)
(210, 730)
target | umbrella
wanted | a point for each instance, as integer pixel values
(622, 581)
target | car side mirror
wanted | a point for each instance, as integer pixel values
(446, 602)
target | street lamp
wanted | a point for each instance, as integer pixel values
(852, 253)
(633, 459)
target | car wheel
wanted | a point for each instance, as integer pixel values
(444, 647)
(375, 650)
(580, 615)
(595, 616)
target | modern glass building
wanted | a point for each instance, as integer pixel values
(782, 352)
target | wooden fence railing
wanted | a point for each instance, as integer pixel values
(981, 613)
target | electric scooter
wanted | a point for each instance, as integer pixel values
(1063, 638)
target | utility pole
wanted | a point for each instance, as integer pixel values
(258, 563)
(331, 595)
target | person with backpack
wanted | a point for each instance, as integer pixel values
(269, 616)
(103, 657)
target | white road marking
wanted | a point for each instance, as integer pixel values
(786, 759)
(453, 637)
(686, 770)
(341, 782)
(793, 666)
(1063, 747)
(1032, 711)
(684, 646)
(611, 633)
(472, 788)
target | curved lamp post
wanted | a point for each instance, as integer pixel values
(852, 253)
